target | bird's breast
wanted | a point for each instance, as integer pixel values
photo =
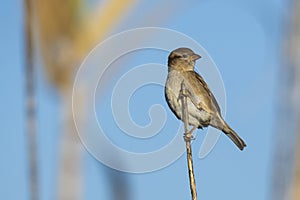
(172, 90)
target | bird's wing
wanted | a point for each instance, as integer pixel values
(206, 88)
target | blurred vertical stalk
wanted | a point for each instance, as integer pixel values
(70, 166)
(119, 184)
(294, 57)
(286, 174)
(30, 103)
(66, 34)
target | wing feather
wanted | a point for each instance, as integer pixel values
(206, 88)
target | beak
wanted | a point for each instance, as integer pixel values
(195, 56)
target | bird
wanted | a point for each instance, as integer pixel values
(203, 108)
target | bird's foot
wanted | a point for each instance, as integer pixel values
(189, 135)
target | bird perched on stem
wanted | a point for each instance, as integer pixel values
(203, 109)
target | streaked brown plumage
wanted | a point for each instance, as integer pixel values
(203, 108)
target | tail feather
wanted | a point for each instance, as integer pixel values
(234, 136)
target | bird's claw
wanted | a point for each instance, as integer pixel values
(188, 137)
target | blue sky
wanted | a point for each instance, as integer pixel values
(244, 40)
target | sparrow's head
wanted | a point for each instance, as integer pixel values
(182, 59)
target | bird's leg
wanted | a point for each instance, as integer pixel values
(198, 105)
(183, 93)
(188, 94)
(189, 135)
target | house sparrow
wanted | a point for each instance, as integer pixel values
(203, 109)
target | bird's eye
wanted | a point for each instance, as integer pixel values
(184, 56)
